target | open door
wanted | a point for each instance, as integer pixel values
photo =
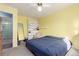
(20, 32)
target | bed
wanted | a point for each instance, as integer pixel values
(49, 46)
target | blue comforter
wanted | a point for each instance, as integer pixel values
(47, 46)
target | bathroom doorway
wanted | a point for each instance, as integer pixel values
(6, 28)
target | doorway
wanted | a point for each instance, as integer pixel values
(6, 28)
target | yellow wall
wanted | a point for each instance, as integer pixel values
(13, 11)
(22, 20)
(32, 20)
(62, 23)
(26, 21)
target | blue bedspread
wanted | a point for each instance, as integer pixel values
(47, 46)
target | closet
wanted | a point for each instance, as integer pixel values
(6, 30)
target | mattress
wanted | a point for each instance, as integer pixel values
(48, 46)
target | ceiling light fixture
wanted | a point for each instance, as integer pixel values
(39, 7)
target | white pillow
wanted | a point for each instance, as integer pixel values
(66, 40)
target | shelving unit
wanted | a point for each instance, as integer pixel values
(32, 28)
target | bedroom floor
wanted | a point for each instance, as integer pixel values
(73, 52)
(21, 50)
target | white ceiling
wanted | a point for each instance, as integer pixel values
(29, 9)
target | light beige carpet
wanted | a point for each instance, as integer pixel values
(21, 50)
